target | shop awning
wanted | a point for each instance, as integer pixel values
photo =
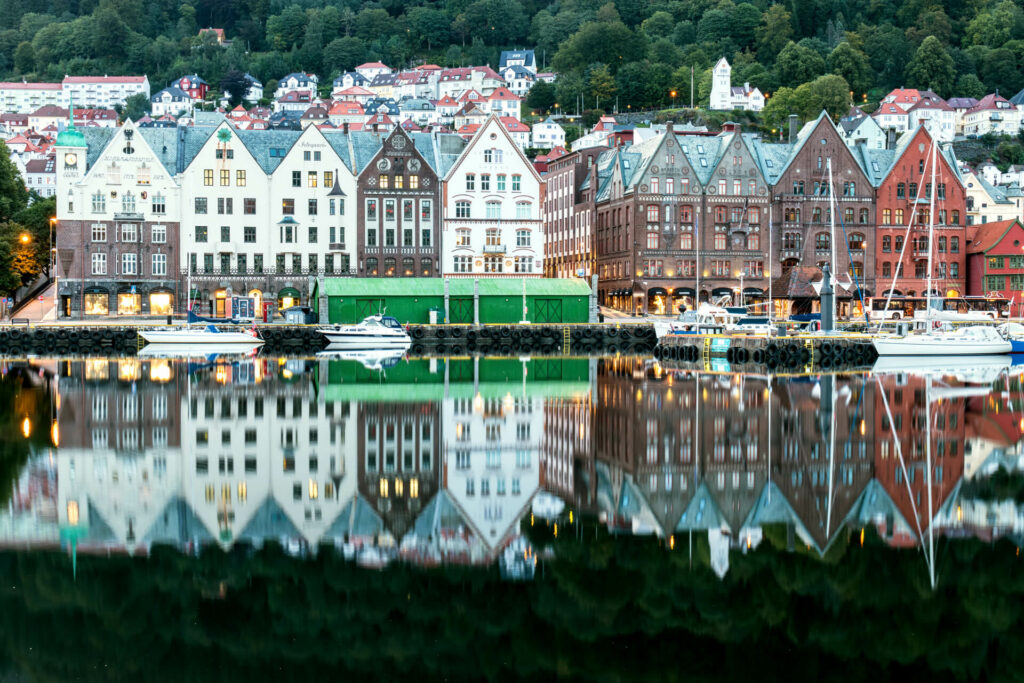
(657, 291)
(288, 291)
(684, 291)
(753, 291)
(721, 291)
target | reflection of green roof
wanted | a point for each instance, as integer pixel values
(357, 518)
(461, 287)
(413, 381)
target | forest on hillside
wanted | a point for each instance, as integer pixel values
(807, 54)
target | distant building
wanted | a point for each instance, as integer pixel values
(726, 97)
(547, 134)
(102, 92)
(22, 98)
(170, 100)
(513, 58)
(993, 114)
(861, 129)
(192, 85)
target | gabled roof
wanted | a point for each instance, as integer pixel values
(299, 77)
(356, 91)
(373, 65)
(503, 93)
(314, 112)
(345, 107)
(932, 103)
(192, 77)
(889, 109)
(961, 102)
(514, 125)
(990, 101)
(174, 91)
(989, 235)
(50, 110)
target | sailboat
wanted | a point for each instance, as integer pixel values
(209, 338)
(965, 341)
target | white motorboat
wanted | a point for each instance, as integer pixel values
(966, 341)
(374, 332)
(190, 350)
(208, 337)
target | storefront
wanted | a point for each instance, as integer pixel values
(161, 302)
(754, 300)
(129, 302)
(657, 301)
(683, 297)
(220, 303)
(288, 297)
(720, 292)
(97, 301)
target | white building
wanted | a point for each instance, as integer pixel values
(103, 92)
(503, 103)
(862, 129)
(40, 176)
(890, 116)
(993, 114)
(521, 58)
(171, 100)
(547, 134)
(725, 97)
(297, 82)
(937, 116)
(519, 79)
(22, 98)
(422, 112)
(491, 212)
(371, 70)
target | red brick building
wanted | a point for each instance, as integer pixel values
(995, 263)
(568, 214)
(904, 199)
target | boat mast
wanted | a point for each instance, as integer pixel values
(832, 237)
(931, 234)
(696, 259)
(771, 304)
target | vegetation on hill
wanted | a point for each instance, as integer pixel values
(807, 54)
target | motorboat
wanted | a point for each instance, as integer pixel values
(707, 319)
(965, 341)
(192, 350)
(1013, 333)
(374, 332)
(208, 336)
(371, 359)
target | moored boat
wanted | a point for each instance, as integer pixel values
(966, 341)
(374, 332)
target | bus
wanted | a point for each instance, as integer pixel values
(943, 308)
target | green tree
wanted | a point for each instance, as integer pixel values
(35, 220)
(970, 85)
(830, 93)
(932, 68)
(343, 54)
(610, 42)
(496, 21)
(541, 96)
(13, 195)
(430, 26)
(234, 84)
(797, 64)
(135, 107)
(889, 52)
(852, 64)
(778, 107)
(568, 89)
(286, 29)
(659, 25)
(25, 58)
(1000, 71)
(600, 82)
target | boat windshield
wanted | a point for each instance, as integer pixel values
(388, 321)
(211, 328)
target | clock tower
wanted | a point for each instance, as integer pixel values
(71, 149)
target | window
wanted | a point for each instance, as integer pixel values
(207, 176)
(856, 241)
(517, 183)
(652, 240)
(654, 186)
(288, 207)
(200, 205)
(886, 269)
(942, 245)
(99, 264)
(296, 178)
(312, 234)
(311, 179)
(225, 205)
(371, 209)
(99, 232)
(670, 185)
(129, 263)
(462, 236)
(249, 206)
(414, 182)
(886, 243)
(522, 238)
(493, 264)
(311, 207)
(897, 216)
(225, 177)
(954, 269)
(822, 241)
(99, 203)
(524, 210)
(798, 187)
(524, 264)
(493, 210)
(371, 266)
(901, 191)
(737, 187)
(159, 204)
(462, 264)
(898, 243)
(159, 264)
(791, 241)
(328, 178)
(954, 244)
(501, 182)
(720, 241)
(485, 182)
(128, 203)
(225, 233)
(955, 217)
(426, 209)
(470, 182)
(383, 181)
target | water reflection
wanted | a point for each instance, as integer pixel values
(451, 460)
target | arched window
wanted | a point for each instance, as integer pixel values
(389, 267)
(856, 241)
(816, 215)
(898, 243)
(822, 241)
(863, 216)
(720, 214)
(408, 267)
(886, 243)
(371, 266)
(686, 214)
(791, 241)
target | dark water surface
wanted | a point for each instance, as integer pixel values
(517, 518)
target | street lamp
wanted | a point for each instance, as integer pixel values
(739, 274)
(673, 94)
(25, 239)
(53, 261)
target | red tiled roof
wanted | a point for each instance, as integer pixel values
(356, 91)
(373, 65)
(346, 107)
(104, 79)
(890, 109)
(503, 93)
(30, 86)
(514, 125)
(50, 110)
(988, 235)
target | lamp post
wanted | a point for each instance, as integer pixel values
(673, 94)
(739, 274)
(53, 263)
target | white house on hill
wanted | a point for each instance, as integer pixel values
(725, 97)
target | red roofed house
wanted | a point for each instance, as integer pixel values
(293, 101)
(469, 130)
(26, 97)
(890, 116)
(935, 114)
(15, 123)
(41, 176)
(346, 112)
(519, 131)
(379, 123)
(371, 70)
(103, 92)
(45, 116)
(409, 126)
(447, 107)
(104, 118)
(20, 144)
(354, 94)
(315, 115)
(218, 32)
(995, 262)
(993, 114)
(904, 98)
(541, 161)
(503, 102)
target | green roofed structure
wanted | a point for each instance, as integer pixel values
(457, 300)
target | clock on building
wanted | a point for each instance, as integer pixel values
(70, 159)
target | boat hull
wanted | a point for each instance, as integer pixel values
(924, 346)
(200, 337)
(164, 350)
(349, 342)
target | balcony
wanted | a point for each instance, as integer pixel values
(790, 253)
(126, 216)
(494, 248)
(336, 246)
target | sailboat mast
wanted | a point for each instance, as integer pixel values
(832, 228)
(928, 466)
(931, 233)
(696, 259)
(771, 304)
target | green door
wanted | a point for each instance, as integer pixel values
(367, 307)
(461, 310)
(547, 311)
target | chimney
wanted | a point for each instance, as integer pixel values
(794, 123)
(344, 127)
(890, 139)
(375, 128)
(668, 128)
(729, 126)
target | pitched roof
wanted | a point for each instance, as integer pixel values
(29, 86)
(889, 109)
(961, 102)
(989, 235)
(990, 101)
(50, 110)
(503, 93)
(514, 125)
(373, 65)
(356, 91)
(104, 79)
(173, 91)
(934, 103)
(346, 107)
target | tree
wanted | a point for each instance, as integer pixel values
(13, 195)
(135, 107)
(34, 220)
(286, 29)
(25, 58)
(430, 26)
(496, 21)
(797, 64)
(343, 54)
(568, 89)
(778, 107)
(600, 82)
(851, 64)
(999, 71)
(830, 93)
(541, 96)
(658, 25)
(932, 68)
(888, 50)
(612, 43)
(235, 85)
(970, 85)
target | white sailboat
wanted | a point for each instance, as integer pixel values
(208, 338)
(965, 341)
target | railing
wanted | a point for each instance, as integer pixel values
(127, 216)
(494, 248)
